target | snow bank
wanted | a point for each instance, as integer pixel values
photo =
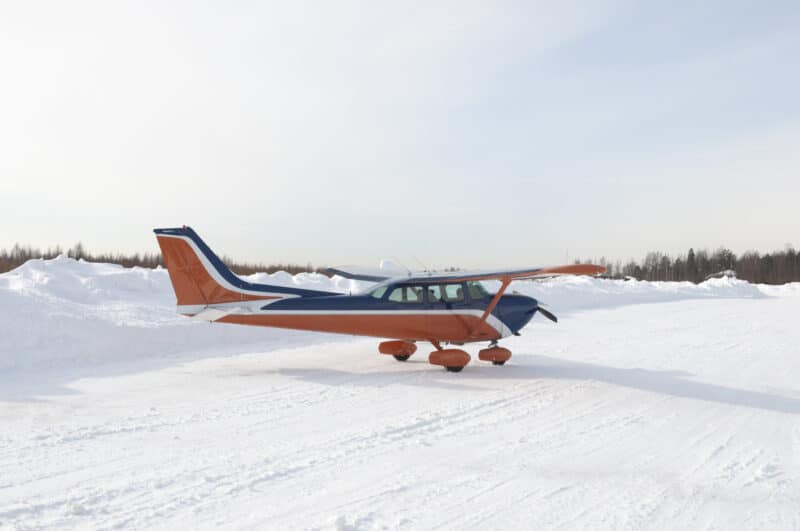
(791, 289)
(582, 293)
(309, 281)
(63, 311)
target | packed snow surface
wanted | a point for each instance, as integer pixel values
(648, 406)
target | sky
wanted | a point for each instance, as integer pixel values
(470, 134)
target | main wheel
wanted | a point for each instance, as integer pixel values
(399, 357)
(452, 359)
(498, 363)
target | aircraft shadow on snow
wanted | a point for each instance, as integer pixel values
(665, 382)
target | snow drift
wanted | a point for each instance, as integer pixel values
(64, 311)
(634, 412)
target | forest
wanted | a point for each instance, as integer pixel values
(18, 255)
(776, 267)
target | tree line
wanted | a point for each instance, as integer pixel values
(18, 255)
(777, 267)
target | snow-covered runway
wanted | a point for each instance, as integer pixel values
(648, 406)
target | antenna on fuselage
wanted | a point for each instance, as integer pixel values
(401, 264)
(424, 267)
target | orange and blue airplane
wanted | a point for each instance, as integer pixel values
(438, 308)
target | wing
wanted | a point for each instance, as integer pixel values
(513, 274)
(462, 276)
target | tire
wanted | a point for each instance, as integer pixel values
(399, 357)
(455, 369)
(498, 363)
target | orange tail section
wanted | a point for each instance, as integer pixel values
(192, 282)
(200, 279)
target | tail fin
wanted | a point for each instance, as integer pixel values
(200, 279)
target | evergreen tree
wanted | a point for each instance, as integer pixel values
(691, 266)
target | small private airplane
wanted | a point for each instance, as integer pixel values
(438, 308)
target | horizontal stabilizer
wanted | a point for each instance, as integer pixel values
(213, 314)
(354, 275)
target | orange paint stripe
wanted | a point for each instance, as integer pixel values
(413, 327)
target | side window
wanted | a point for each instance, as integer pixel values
(476, 291)
(454, 292)
(435, 294)
(415, 294)
(397, 295)
(406, 294)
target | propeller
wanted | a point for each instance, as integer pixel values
(548, 314)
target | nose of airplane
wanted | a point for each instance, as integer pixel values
(531, 305)
(517, 311)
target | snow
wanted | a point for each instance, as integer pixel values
(649, 406)
(64, 312)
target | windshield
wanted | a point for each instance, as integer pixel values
(407, 294)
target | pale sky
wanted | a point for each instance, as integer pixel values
(476, 134)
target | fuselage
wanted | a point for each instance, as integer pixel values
(422, 308)
(450, 312)
(443, 307)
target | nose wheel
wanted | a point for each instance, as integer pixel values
(497, 355)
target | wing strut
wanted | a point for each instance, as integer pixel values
(505, 282)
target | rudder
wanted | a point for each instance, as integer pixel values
(200, 279)
(193, 280)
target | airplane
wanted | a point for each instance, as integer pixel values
(442, 309)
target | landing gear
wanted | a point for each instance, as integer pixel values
(401, 350)
(452, 359)
(497, 355)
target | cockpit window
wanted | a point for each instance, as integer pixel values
(453, 292)
(435, 294)
(442, 293)
(477, 291)
(377, 292)
(406, 294)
